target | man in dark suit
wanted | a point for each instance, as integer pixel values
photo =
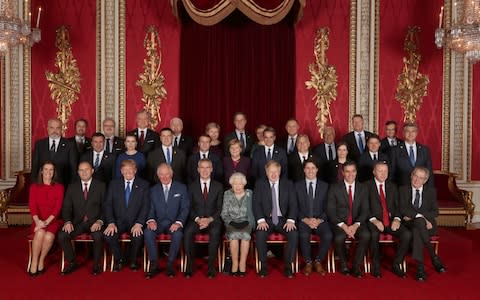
(180, 140)
(408, 155)
(390, 140)
(148, 139)
(270, 151)
(348, 212)
(325, 152)
(82, 142)
(58, 150)
(204, 153)
(82, 212)
(275, 210)
(126, 208)
(418, 205)
(113, 144)
(102, 162)
(385, 218)
(312, 216)
(240, 121)
(169, 207)
(356, 139)
(206, 199)
(298, 157)
(290, 142)
(369, 158)
(168, 154)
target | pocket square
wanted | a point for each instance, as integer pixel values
(176, 195)
(150, 141)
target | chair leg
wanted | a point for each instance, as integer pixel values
(145, 267)
(62, 265)
(29, 255)
(257, 263)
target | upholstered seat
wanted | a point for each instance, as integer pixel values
(14, 202)
(277, 238)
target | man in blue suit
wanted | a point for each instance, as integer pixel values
(270, 151)
(126, 208)
(169, 207)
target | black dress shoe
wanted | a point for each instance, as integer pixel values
(33, 274)
(344, 270)
(211, 274)
(377, 274)
(133, 266)
(263, 270)
(70, 269)
(188, 274)
(421, 276)
(117, 267)
(437, 264)
(152, 273)
(288, 272)
(241, 274)
(170, 271)
(96, 270)
(41, 271)
(357, 273)
(398, 271)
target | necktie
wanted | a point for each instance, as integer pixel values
(412, 156)
(274, 206)
(392, 143)
(374, 156)
(97, 161)
(169, 160)
(204, 156)
(383, 201)
(361, 147)
(107, 146)
(242, 140)
(142, 137)
(175, 144)
(292, 145)
(416, 202)
(53, 147)
(128, 190)
(310, 198)
(205, 192)
(165, 193)
(269, 154)
(330, 152)
(85, 191)
(304, 158)
(350, 205)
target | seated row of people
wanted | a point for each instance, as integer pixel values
(344, 210)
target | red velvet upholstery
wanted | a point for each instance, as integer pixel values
(164, 237)
(202, 238)
(447, 198)
(386, 237)
(276, 237)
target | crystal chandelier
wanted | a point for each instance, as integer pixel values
(14, 31)
(463, 36)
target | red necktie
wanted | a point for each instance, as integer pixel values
(383, 201)
(350, 204)
(85, 196)
(142, 137)
(205, 192)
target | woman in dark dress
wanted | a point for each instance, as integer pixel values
(213, 131)
(45, 203)
(335, 173)
(131, 153)
(235, 162)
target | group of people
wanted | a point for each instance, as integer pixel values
(154, 184)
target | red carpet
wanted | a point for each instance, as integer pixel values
(458, 249)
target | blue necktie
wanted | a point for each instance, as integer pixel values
(292, 146)
(361, 147)
(128, 190)
(274, 206)
(412, 156)
(169, 161)
(97, 161)
(165, 193)
(311, 197)
(416, 202)
(269, 155)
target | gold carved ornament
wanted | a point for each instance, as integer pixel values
(323, 79)
(65, 84)
(152, 80)
(412, 85)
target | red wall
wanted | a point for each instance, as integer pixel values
(395, 17)
(475, 165)
(140, 14)
(80, 17)
(334, 14)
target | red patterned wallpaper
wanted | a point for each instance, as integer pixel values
(80, 17)
(395, 17)
(140, 14)
(475, 165)
(334, 14)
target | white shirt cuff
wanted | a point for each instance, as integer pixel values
(260, 220)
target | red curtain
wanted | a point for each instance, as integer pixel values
(334, 14)
(395, 18)
(476, 123)
(236, 65)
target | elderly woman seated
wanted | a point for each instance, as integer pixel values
(238, 217)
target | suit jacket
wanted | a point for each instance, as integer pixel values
(157, 157)
(116, 210)
(192, 166)
(118, 145)
(391, 197)
(81, 148)
(385, 145)
(259, 160)
(75, 207)
(185, 143)
(285, 143)
(351, 140)
(151, 141)
(322, 160)
(295, 166)
(105, 170)
(173, 210)
(429, 207)
(65, 159)
(319, 207)
(210, 208)
(366, 163)
(401, 168)
(337, 206)
(232, 136)
(262, 200)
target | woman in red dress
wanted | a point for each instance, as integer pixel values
(45, 202)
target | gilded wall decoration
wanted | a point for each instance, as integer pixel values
(64, 85)
(152, 80)
(412, 85)
(323, 79)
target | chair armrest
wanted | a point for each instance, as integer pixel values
(4, 200)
